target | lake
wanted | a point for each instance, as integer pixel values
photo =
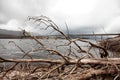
(9, 50)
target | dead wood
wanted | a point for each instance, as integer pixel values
(112, 44)
(87, 74)
(73, 61)
(52, 70)
(66, 60)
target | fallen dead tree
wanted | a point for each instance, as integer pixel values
(75, 61)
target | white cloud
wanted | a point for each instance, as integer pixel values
(77, 13)
(113, 26)
(3, 18)
(11, 25)
(105, 11)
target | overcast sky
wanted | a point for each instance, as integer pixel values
(82, 16)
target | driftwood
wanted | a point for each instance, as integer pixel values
(94, 65)
(74, 61)
(87, 74)
(112, 44)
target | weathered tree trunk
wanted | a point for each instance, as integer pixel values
(74, 61)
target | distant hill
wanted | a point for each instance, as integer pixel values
(7, 34)
(10, 33)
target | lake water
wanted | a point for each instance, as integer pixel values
(9, 50)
